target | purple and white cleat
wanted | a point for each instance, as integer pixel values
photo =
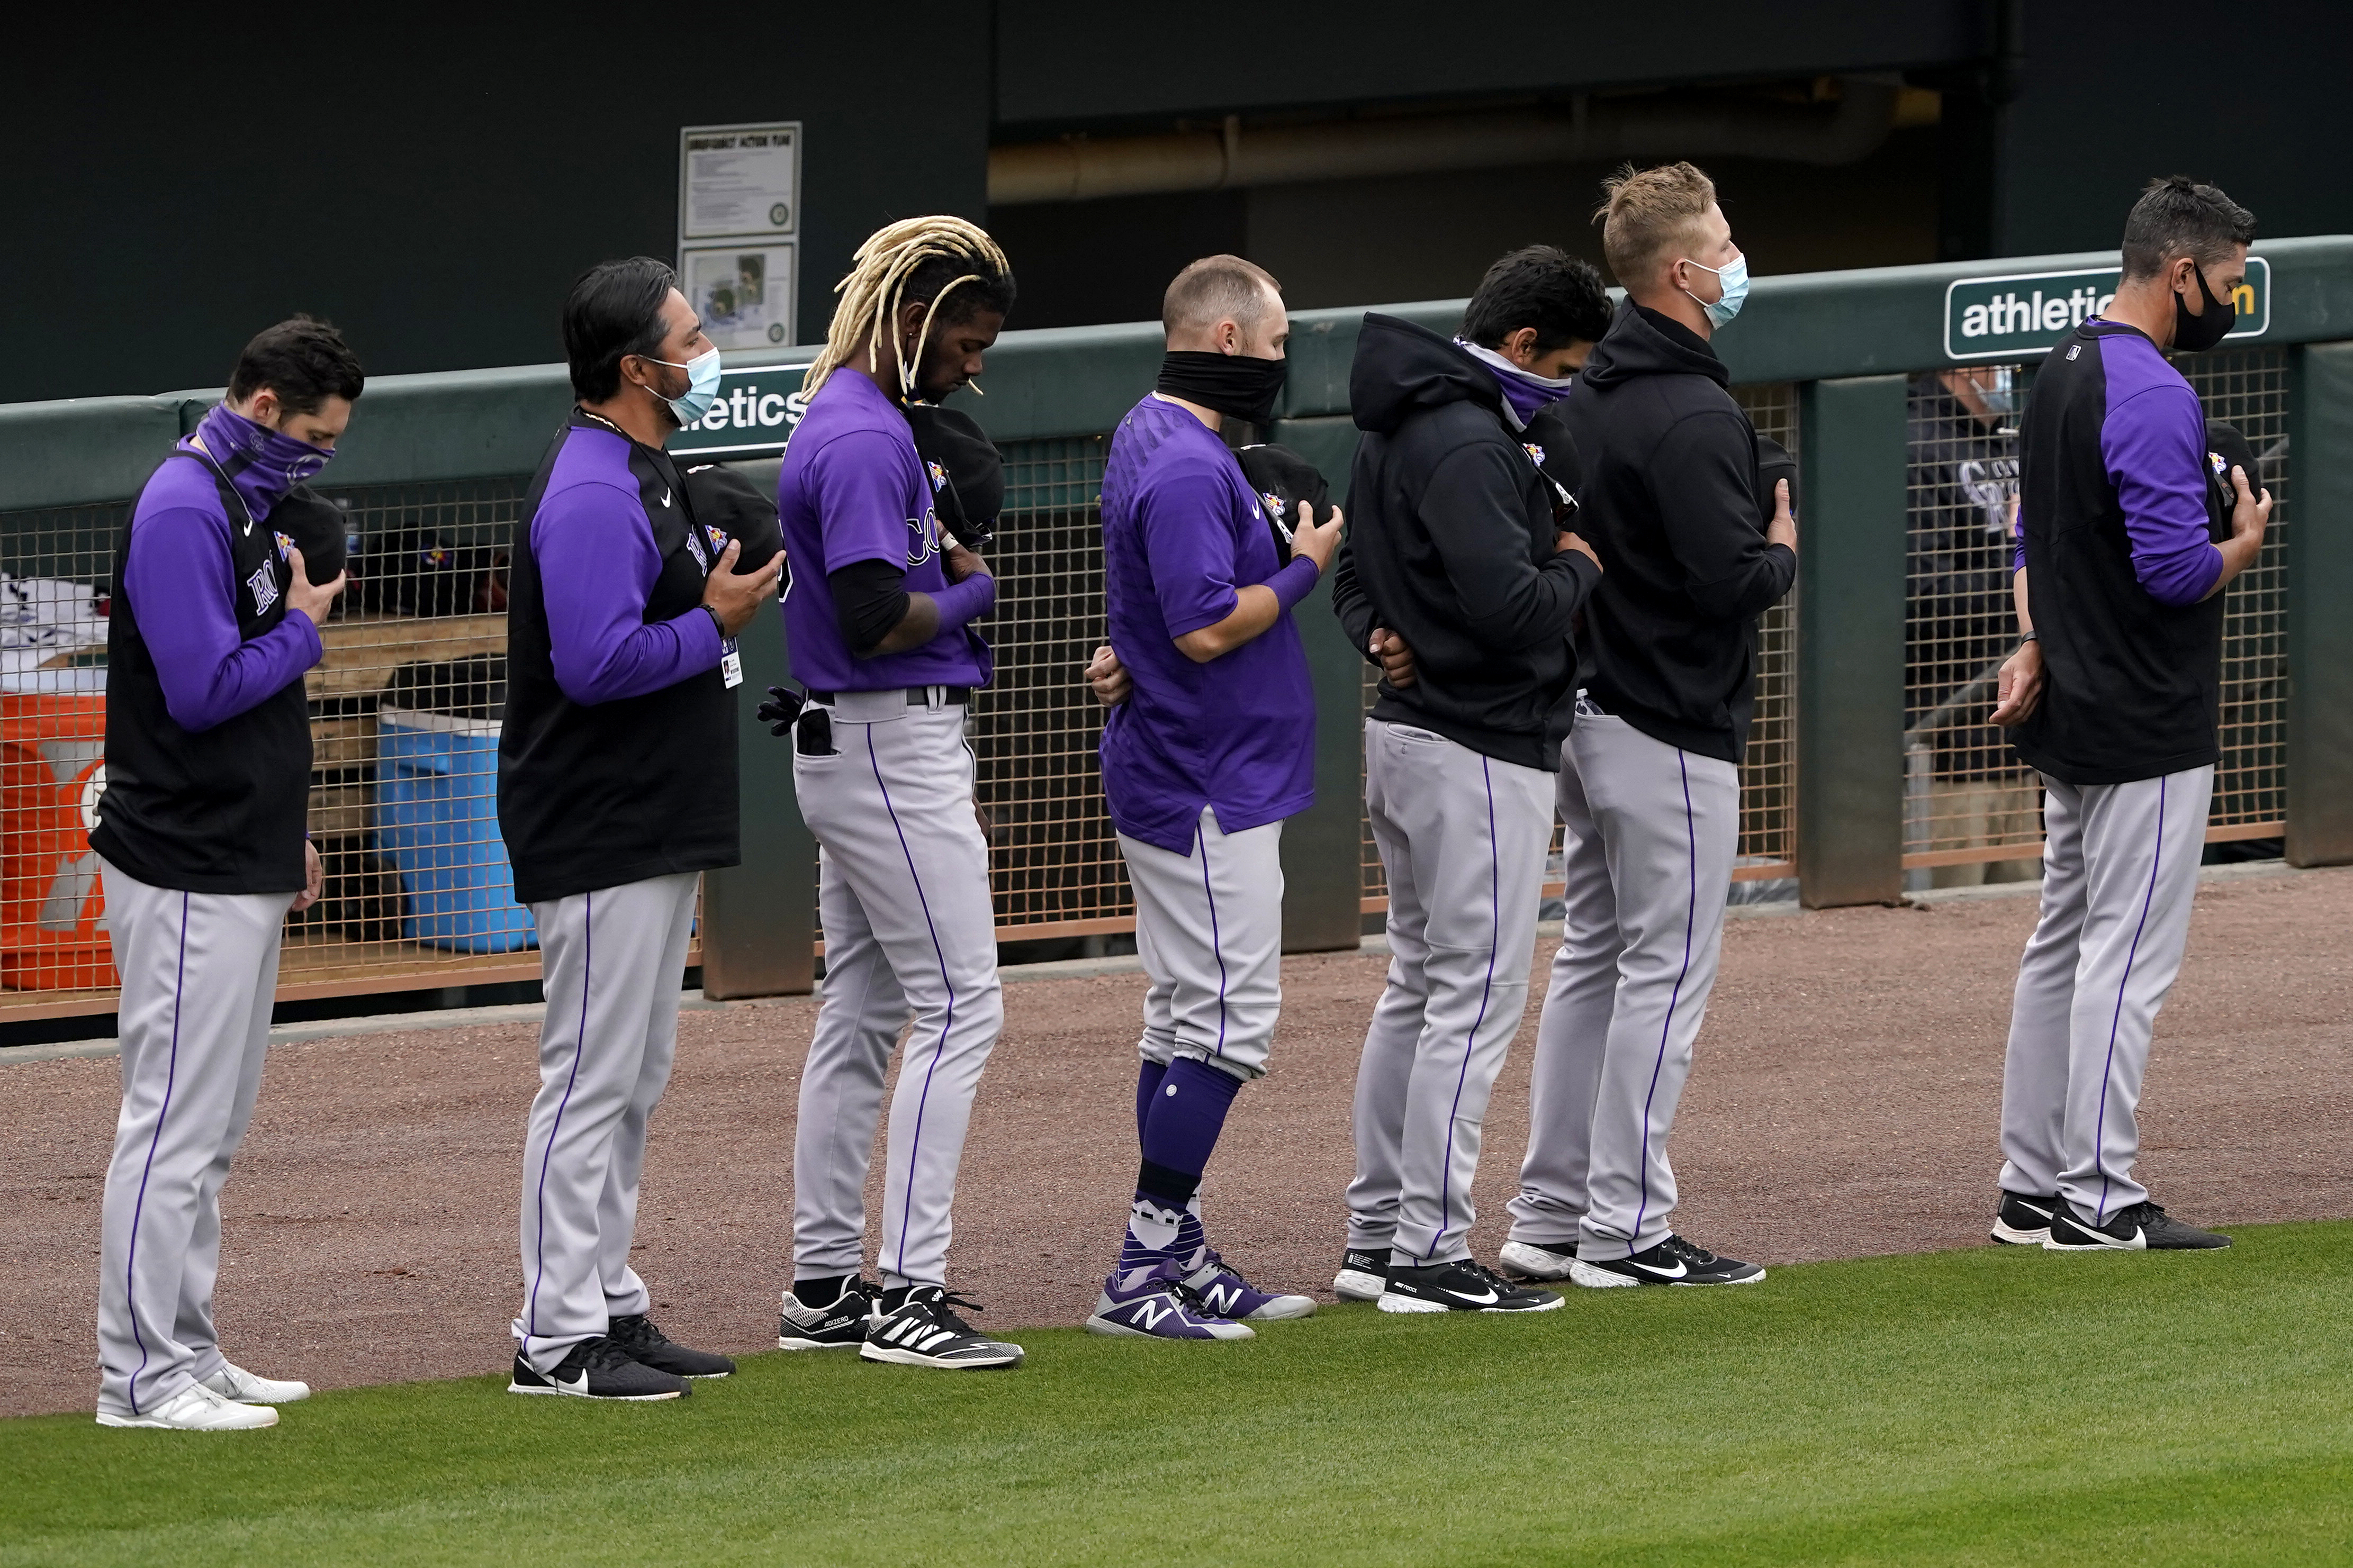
(1152, 1304)
(1218, 1287)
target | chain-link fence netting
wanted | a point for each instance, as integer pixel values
(1972, 813)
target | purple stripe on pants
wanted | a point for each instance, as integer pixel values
(1216, 946)
(947, 1022)
(1690, 916)
(171, 1078)
(587, 954)
(1486, 993)
(2100, 1124)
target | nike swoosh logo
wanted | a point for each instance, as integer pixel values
(1487, 1298)
(578, 1387)
(665, 497)
(1677, 1272)
(248, 528)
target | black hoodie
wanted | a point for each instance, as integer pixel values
(1670, 505)
(1450, 545)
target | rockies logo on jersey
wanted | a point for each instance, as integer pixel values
(263, 585)
(923, 538)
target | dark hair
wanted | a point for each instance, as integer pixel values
(2178, 216)
(992, 288)
(305, 361)
(1543, 286)
(613, 309)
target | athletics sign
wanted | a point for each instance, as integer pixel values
(754, 412)
(2021, 316)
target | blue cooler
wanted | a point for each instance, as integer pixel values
(438, 810)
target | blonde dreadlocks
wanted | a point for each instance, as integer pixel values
(878, 280)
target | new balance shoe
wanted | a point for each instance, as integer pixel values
(598, 1369)
(1463, 1286)
(1536, 1260)
(1223, 1292)
(925, 1331)
(197, 1408)
(1674, 1261)
(1156, 1304)
(839, 1327)
(233, 1381)
(2136, 1227)
(650, 1346)
(2022, 1220)
(1364, 1273)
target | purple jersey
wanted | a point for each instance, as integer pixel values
(853, 490)
(1182, 535)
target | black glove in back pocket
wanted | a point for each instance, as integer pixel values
(813, 733)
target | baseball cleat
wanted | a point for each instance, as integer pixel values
(648, 1346)
(2022, 1221)
(1363, 1273)
(1462, 1286)
(233, 1381)
(1155, 1304)
(1536, 1260)
(839, 1327)
(2135, 1227)
(1222, 1292)
(925, 1331)
(1673, 1261)
(197, 1408)
(598, 1369)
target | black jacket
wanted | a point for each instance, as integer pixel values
(1449, 545)
(1670, 505)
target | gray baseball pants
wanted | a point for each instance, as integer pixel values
(1208, 927)
(910, 933)
(2120, 871)
(1463, 838)
(613, 963)
(1651, 832)
(199, 973)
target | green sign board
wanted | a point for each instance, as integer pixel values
(754, 412)
(2023, 315)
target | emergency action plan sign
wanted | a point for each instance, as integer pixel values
(739, 215)
(2023, 315)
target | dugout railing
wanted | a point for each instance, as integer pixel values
(1870, 767)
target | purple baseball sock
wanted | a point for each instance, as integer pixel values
(1180, 1130)
(1147, 1084)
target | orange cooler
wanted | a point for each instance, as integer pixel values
(52, 910)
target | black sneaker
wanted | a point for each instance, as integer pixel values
(2022, 1220)
(650, 1346)
(598, 1369)
(1674, 1261)
(1364, 1271)
(925, 1331)
(1537, 1259)
(839, 1327)
(1462, 1286)
(2138, 1227)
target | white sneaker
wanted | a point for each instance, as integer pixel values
(197, 1408)
(233, 1381)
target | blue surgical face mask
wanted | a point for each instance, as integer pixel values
(702, 387)
(1733, 276)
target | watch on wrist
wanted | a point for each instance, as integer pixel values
(719, 625)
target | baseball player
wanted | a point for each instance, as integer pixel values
(202, 852)
(1213, 748)
(1649, 783)
(2126, 540)
(1457, 555)
(879, 626)
(617, 790)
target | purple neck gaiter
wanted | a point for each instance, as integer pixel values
(1524, 393)
(261, 463)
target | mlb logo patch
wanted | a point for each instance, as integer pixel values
(718, 540)
(284, 544)
(939, 476)
(2222, 468)
(1536, 453)
(263, 585)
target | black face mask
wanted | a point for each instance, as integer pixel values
(2196, 334)
(1234, 385)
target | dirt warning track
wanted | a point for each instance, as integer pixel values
(1843, 1103)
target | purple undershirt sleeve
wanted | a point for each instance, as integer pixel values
(966, 601)
(1294, 581)
(2018, 538)
(2154, 444)
(597, 565)
(182, 587)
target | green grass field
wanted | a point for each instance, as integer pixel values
(1982, 1407)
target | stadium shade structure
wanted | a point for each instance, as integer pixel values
(1869, 765)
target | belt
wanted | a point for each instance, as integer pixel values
(949, 696)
